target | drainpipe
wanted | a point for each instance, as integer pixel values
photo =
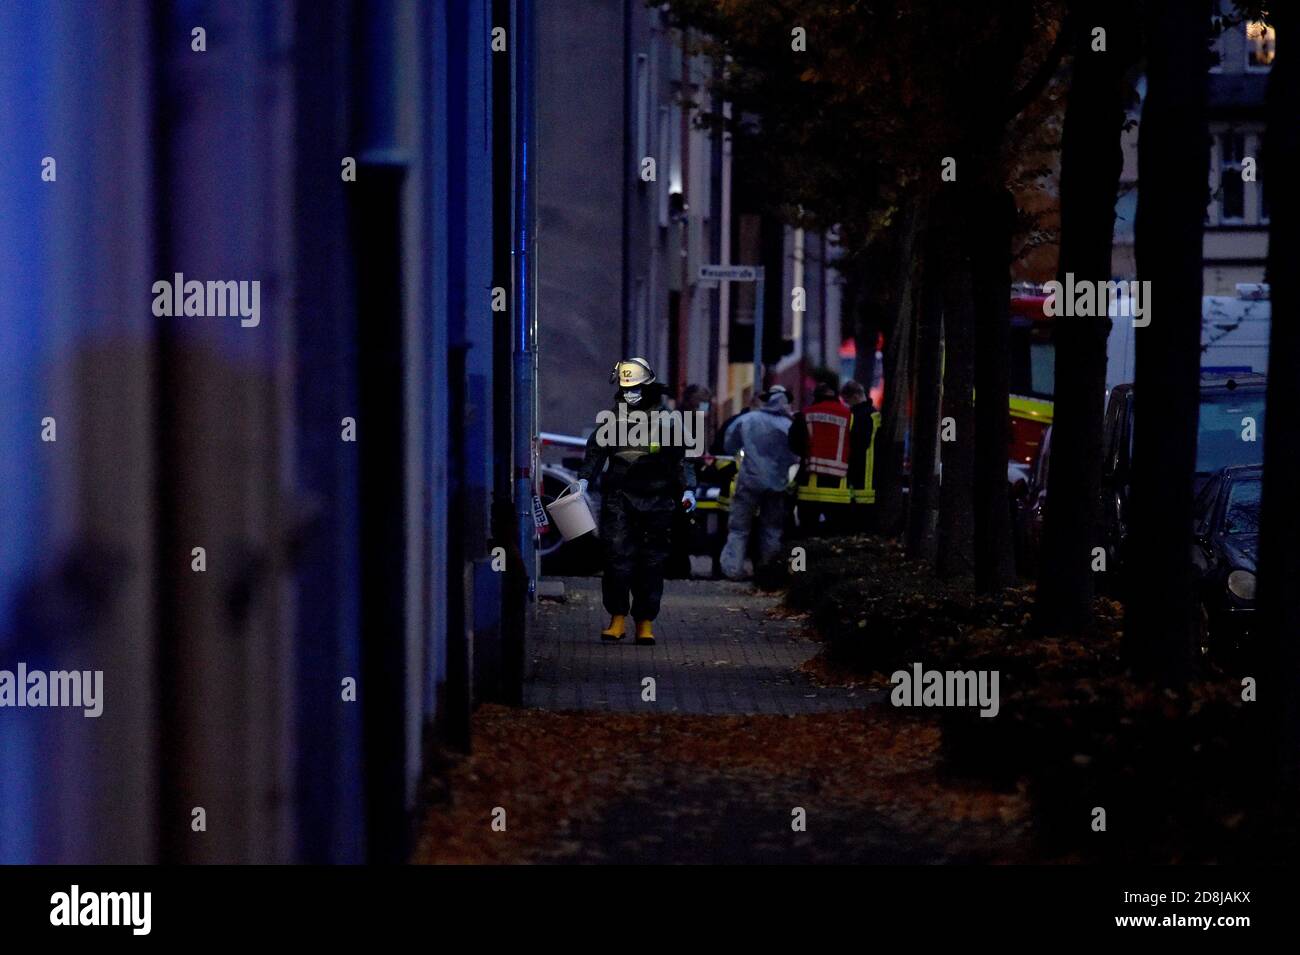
(525, 268)
(630, 120)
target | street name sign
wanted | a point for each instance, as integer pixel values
(730, 273)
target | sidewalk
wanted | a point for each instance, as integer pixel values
(740, 758)
(720, 650)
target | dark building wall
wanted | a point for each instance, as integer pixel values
(326, 560)
(77, 556)
(580, 118)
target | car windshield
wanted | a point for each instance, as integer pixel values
(1242, 513)
(1231, 431)
(1033, 360)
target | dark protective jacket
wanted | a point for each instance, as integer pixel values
(860, 434)
(649, 476)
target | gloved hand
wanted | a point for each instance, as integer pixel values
(688, 500)
(582, 485)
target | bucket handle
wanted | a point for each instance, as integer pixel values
(567, 490)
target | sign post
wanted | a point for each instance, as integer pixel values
(744, 273)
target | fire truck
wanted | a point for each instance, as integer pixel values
(1033, 377)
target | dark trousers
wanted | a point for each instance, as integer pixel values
(636, 541)
(822, 518)
(859, 521)
(819, 519)
(678, 566)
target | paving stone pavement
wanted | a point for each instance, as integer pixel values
(718, 650)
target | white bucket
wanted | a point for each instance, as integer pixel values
(571, 513)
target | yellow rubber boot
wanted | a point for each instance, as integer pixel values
(644, 632)
(617, 628)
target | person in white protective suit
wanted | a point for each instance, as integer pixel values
(761, 487)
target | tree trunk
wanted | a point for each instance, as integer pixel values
(1173, 167)
(956, 494)
(989, 218)
(894, 410)
(924, 495)
(1091, 163)
(975, 514)
(1279, 560)
(866, 331)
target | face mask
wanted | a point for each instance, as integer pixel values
(704, 406)
(632, 395)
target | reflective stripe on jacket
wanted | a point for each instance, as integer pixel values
(825, 489)
(866, 494)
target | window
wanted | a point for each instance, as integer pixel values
(1033, 359)
(1261, 42)
(1203, 507)
(1236, 201)
(1232, 190)
(1218, 437)
(1242, 513)
(1042, 368)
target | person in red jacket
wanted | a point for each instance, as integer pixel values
(820, 436)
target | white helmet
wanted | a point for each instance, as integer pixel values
(632, 373)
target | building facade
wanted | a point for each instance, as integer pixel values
(1236, 220)
(635, 194)
(273, 538)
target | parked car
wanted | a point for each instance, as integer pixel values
(1224, 555)
(1230, 432)
(1032, 509)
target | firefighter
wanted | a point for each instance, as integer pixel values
(643, 487)
(764, 437)
(820, 436)
(861, 429)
